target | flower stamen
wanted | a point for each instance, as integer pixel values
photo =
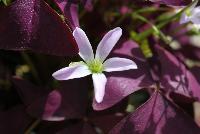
(188, 12)
(95, 66)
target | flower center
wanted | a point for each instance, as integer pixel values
(188, 12)
(95, 66)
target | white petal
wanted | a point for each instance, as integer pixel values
(184, 19)
(99, 82)
(118, 64)
(76, 71)
(195, 18)
(85, 48)
(107, 43)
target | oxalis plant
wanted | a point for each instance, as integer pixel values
(99, 67)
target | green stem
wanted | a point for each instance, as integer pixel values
(150, 9)
(154, 27)
(143, 10)
(148, 32)
(140, 17)
(33, 125)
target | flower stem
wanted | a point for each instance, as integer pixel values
(148, 32)
(154, 27)
(143, 10)
(33, 125)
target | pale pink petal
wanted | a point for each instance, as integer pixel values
(85, 48)
(184, 19)
(118, 64)
(71, 72)
(99, 82)
(195, 18)
(107, 43)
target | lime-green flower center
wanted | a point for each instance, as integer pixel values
(188, 12)
(95, 66)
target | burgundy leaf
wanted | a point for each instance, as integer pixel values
(186, 103)
(177, 2)
(189, 52)
(67, 102)
(46, 106)
(14, 121)
(27, 91)
(66, 127)
(33, 25)
(196, 72)
(157, 116)
(173, 2)
(51, 127)
(121, 84)
(176, 77)
(78, 128)
(106, 122)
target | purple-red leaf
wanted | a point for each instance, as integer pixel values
(176, 77)
(78, 128)
(67, 102)
(33, 25)
(66, 127)
(173, 2)
(157, 116)
(14, 121)
(106, 122)
(27, 91)
(196, 72)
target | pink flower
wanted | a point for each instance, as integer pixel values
(95, 64)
